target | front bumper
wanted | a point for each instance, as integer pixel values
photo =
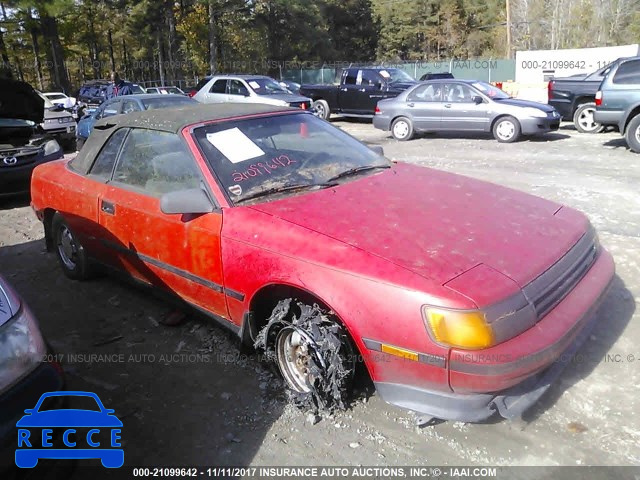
(15, 180)
(533, 126)
(535, 370)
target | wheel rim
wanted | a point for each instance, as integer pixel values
(401, 129)
(638, 134)
(67, 248)
(319, 110)
(294, 352)
(587, 121)
(505, 130)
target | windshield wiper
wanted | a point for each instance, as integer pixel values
(270, 191)
(353, 171)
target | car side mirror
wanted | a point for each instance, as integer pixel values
(478, 100)
(193, 200)
(377, 149)
(29, 411)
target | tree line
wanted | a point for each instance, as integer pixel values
(61, 43)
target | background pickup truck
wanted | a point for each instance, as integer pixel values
(359, 91)
(574, 98)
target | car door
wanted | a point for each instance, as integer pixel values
(217, 92)
(237, 91)
(461, 112)
(348, 93)
(177, 253)
(424, 105)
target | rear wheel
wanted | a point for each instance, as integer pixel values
(632, 134)
(402, 129)
(71, 255)
(506, 130)
(584, 120)
(321, 109)
(313, 353)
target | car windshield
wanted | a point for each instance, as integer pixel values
(55, 96)
(265, 86)
(490, 91)
(394, 75)
(261, 157)
(47, 103)
(75, 402)
(167, 102)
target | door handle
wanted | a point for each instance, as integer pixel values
(447, 105)
(107, 207)
(411, 104)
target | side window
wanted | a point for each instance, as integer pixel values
(103, 166)
(426, 93)
(128, 106)
(111, 110)
(219, 86)
(370, 78)
(156, 163)
(628, 73)
(236, 87)
(351, 77)
(458, 93)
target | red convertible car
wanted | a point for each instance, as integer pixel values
(462, 298)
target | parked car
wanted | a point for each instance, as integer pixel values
(191, 91)
(574, 98)
(22, 144)
(59, 123)
(249, 89)
(59, 98)
(27, 367)
(435, 76)
(165, 90)
(319, 251)
(465, 106)
(93, 93)
(293, 87)
(618, 100)
(128, 104)
(358, 91)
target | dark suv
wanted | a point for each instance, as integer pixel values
(618, 101)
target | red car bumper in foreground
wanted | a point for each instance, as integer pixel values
(518, 371)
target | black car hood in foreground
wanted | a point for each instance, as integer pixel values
(19, 100)
(526, 103)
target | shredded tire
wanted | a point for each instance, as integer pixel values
(332, 364)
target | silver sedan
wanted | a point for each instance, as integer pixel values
(465, 106)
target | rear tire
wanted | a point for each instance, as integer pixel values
(71, 254)
(402, 129)
(584, 121)
(506, 130)
(632, 134)
(321, 109)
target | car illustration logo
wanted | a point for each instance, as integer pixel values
(69, 433)
(10, 160)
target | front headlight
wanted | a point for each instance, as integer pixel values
(21, 347)
(51, 147)
(463, 329)
(534, 112)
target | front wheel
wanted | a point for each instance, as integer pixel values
(584, 120)
(632, 134)
(506, 130)
(71, 254)
(313, 353)
(402, 129)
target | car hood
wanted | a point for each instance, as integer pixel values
(436, 224)
(287, 97)
(525, 103)
(19, 100)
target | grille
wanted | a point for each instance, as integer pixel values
(546, 291)
(22, 157)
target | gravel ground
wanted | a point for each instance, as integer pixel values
(188, 396)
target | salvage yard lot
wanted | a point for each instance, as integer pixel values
(187, 395)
